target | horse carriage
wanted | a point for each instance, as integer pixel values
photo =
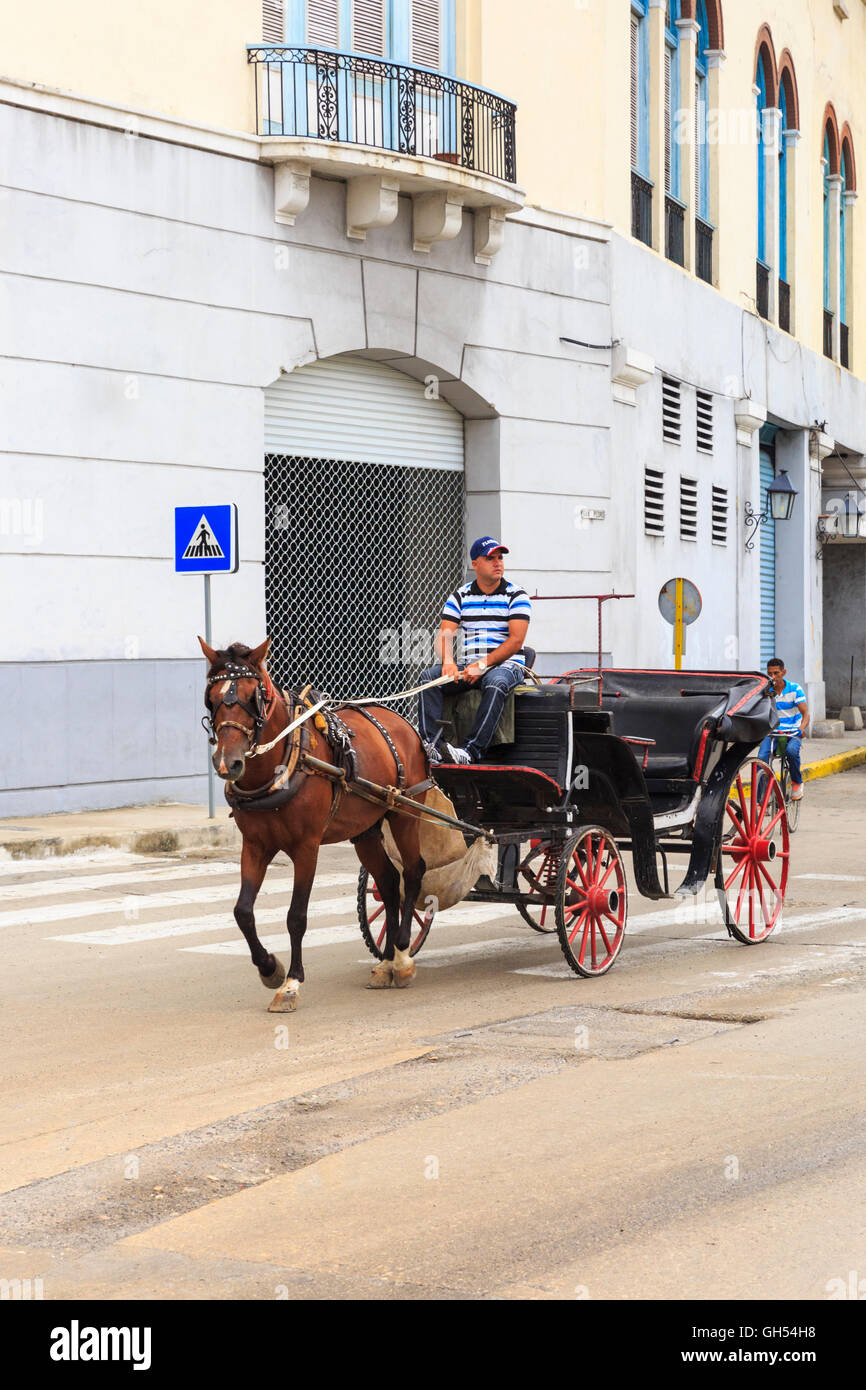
(598, 762)
(606, 761)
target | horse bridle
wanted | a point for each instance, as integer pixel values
(259, 714)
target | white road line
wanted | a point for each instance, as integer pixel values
(834, 878)
(133, 932)
(88, 883)
(319, 936)
(134, 903)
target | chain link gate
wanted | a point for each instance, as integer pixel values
(359, 558)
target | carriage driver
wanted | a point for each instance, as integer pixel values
(494, 616)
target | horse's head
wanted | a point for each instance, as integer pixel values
(237, 692)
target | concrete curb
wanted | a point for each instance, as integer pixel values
(837, 762)
(163, 841)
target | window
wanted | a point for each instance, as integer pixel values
(764, 99)
(639, 88)
(273, 21)
(323, 23)
(688, 509)
(672, 98)
(846, 212)
(720, 515)
(368, 27)
(425, 45)
(653, 502)
(702, 144)
(671, 410)
(705, 422)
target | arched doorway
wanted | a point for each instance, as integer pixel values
(363, 524)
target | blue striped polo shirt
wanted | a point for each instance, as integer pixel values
(484, 618)
(790, 718)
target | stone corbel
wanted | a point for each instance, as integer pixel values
(489, 233)
(750, 416)
(820, 446)
(291, 190)
(371, 201)
(436, 217)
(629, 369)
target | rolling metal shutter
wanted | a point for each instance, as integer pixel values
(363, 526)
(768, 563)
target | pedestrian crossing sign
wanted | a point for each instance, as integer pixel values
(206, 539)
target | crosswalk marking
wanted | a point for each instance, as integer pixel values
(319, 936)
(143, 902)
(88, 883)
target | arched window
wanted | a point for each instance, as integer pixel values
(830, 161)
(789, 122)
(845, 268)
(641, 188)
(765, 98)
(672, 98)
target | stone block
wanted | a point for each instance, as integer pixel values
(852, 717)
(827, 728)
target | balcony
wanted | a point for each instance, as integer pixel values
(674, 230)
(703, 250)
(845, 345)
(762, 292)
(641, 208)
(784, 305)
(828, 333)
(387, 129)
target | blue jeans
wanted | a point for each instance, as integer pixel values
(495, 685)
(792, 754)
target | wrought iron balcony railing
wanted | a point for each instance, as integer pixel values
(784, 305)
(320, 94)
(704, 250)
(675, 215)
(762, 294)
(641, 208)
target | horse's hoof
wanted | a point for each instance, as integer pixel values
(381, 975)
(287, 1000)
(276, 979)
(404, 978)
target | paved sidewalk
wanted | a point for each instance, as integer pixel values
(164, 828)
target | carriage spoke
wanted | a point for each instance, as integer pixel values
(774, 822)
(584, 914)
(585, 939)
(751, 900)
(742, 796)
(763, 810)
(606, 875)
(746, 877)
(740, 865)
(604, 935)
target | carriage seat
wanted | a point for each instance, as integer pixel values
(676, 723)
(460, 711)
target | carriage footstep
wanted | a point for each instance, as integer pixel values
(274, 980)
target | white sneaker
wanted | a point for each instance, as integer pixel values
(458, 755)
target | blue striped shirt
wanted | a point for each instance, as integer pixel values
(790, 718)
(484, 618)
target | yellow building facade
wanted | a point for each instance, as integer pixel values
(569, 66)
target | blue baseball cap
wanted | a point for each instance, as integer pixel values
(485, 545)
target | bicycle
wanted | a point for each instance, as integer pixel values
(792, 807)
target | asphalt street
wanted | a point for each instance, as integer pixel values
(692, 1125)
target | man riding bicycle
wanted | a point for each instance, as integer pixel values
(793, 723)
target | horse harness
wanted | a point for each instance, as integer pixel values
(295, 768)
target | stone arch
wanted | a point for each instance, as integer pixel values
(830, 128)
(715, 20)
(847, 144)
(788, 81)
(765, 48)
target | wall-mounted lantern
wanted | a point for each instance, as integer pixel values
(781, 496)
(848, 524)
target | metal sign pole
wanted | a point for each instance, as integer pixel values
(207, 637)
(679, 631)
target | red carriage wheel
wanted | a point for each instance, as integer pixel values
(591, 901)
(371, 917)
(537, 875)
(752, 866)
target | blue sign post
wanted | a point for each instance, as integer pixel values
(206, 543)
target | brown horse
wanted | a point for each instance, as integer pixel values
(279, 803)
